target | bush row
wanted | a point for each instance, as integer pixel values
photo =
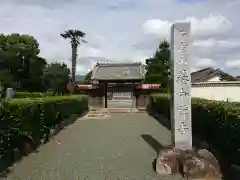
(32, 94)
(29, 120)
(216, 122)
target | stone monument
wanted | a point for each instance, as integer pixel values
(180, 155)
(180, 87)
(9, 93)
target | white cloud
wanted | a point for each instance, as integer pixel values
(210, 25)
(207, 26)
(205, 62)
(205, 43)
(229, 44)
(193, 69)
(139, 58)
(116, 29)
(86, 50)
(233, 64)
(157, 27)
(216, 43)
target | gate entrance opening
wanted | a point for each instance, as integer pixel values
(120, 96)
(119, 86)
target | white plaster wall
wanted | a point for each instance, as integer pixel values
(219, 93)
(215, 79)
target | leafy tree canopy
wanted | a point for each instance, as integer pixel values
(158, 66)
(87, 77)
(20, 65)
(74, 35)
(56, 76)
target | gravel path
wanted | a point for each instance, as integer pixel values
(122, 146)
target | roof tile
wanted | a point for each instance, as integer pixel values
(117, 71)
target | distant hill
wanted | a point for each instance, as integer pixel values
(80, 78)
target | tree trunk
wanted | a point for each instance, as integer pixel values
(74, 60)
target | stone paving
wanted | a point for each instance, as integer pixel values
(122, 146)
(119, 103)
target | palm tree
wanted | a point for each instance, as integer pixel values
(76, 38)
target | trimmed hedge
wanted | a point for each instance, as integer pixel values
(29, 120)
(217, 122)
(32, 94)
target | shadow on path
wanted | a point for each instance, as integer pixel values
(154, 144)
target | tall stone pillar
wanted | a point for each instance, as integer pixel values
(181, 119)
(199, 163)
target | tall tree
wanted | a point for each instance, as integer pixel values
(227, 77)
(21, 67)
(158, 66)
(56, 76)
(87, 77)
(76, 37)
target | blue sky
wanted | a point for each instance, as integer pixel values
(127, 30)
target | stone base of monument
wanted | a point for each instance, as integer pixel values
(199, 165)
(167, 161)
(192, 164)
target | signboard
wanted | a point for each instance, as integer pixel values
(148, 86)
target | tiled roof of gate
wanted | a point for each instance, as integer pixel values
(118, 71)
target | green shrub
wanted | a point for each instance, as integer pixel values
(28, 120)
(216, 122)
(48, 93)
(28, 95)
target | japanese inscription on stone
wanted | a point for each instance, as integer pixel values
(181, 84)
(182, 109)
(182, 92)
(182, 77)
(183, 128)
(183, 45)
(182, 60)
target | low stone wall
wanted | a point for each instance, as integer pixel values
(142, 99)
(96, 98)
